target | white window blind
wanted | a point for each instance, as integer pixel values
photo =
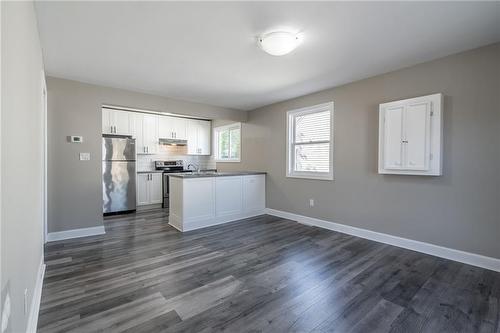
(309, 143)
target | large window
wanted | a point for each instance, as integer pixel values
(228, 143)
(310, 142)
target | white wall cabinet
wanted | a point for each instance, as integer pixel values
(173, 128)
(144, 129)
(115, 122)
(148, 128)
(410, 136)
(149, 188)
(198, 137)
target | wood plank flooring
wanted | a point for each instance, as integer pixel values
(263, 274)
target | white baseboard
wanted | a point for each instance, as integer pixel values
(435, 250)
(75, 233)
(176, 222)
(35, 300)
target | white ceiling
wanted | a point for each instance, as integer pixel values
(207, 52)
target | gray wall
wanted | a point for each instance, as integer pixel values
(22, 156)
(74, 108)
(460, 209)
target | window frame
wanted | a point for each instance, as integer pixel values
(290, 143)
(216, 133)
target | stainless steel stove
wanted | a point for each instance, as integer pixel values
(169, 167)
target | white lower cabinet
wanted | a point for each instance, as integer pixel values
(205, 201)
(149, 188)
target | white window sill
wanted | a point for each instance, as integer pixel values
(227, 161)
(313, 177)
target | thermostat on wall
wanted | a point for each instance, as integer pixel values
(76, 139)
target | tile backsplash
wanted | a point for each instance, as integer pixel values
(167, 153)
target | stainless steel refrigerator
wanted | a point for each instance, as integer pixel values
(118, 174)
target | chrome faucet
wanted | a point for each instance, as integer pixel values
(196, 167)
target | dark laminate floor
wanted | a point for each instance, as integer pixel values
(261, 274)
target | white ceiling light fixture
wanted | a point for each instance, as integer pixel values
(279, 43)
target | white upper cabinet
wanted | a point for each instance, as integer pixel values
(145, 131)
(410, 136)
(198, 137)
(173, 128)
(115, 122)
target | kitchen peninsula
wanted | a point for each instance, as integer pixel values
(199, 200)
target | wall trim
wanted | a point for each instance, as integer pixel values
(35, 300)
(75, 233)
(435, 250)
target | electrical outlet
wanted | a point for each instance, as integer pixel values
(26, 302)
(311, 202)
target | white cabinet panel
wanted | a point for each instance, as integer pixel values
(155, 188)
(198, 136)
(417, 126)
(142, 189)
(149, 188)
(199, 199)
(393, 137)
(192, 137)
(121, 121)
(228, 191)
(106, 121)
(254, 189)
(201, 202)
(180, 128)
(166, 127)
(136, 122)
(204, 136)
(116, 122)
(410, 136)
(150, 132)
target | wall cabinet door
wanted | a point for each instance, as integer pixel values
(116, 122)
(144, 128)
(155, 188)
(121, 121)
(166, 127)
(150, 133)
(417, 136)
(180, 128)
(106, 121)
(192, 137)
(136, 121)
(142, 187)
(204, 135)
(198, 136)
(410, 136)
(393, 146)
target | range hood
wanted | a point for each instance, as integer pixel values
(172, 142)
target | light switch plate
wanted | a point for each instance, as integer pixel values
(84, 156)
(76, 139)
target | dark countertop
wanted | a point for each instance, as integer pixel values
(215, 174)
(150, 171)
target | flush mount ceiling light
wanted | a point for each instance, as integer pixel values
(279, 43)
